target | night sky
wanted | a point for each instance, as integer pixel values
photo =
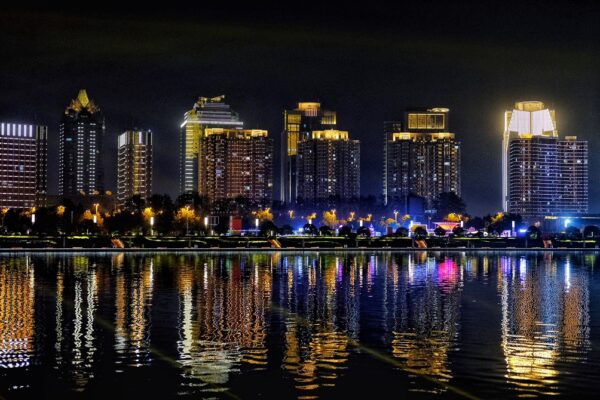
(146, 67)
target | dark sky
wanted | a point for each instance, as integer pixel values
(147, 66)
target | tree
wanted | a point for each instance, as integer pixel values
(573, 233)
(264, 214)
(453, 217)
(591, 231)
(186, 218)
(533, 232)
(268, 229)
(402, 232)
(310, 229)
(363, 231)
(345, 231)
(325, 231)
(458, 231)
(449, 202)
(419, 232)
(439, 231)
(330, 218)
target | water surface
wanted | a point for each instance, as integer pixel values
(312, 325)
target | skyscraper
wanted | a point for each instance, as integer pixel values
(134, 172)
(81, 135)
(543, 175)
(23, 165)
(389, 127)
(298, 125)
(206, 113)
(422, 159)
(328, 166)
(236, 163)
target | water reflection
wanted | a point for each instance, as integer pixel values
(320, 303)
(545, 318)
(17, 305)
(426, 310)
(133, 300)
(301, 321)
(223, 302)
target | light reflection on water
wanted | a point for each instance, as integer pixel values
(217, 324)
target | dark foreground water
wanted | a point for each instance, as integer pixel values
(322, 325)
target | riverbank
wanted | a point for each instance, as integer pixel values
(187, 250)
(284, 243)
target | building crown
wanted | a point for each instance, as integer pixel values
(81, 102)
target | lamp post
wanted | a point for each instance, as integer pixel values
(256, 222)
(187, 221)
(152, 225)
(396, 216)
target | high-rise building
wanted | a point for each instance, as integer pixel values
(205, 114)
(236, 163)
(543, 175)
(298, 125)
(328, 166)
(423, 158)
(134, 172)
(23, 165)
(81, 156)
(389, 127)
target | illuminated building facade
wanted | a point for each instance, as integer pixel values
(389, 127)
(23, 165)
(236, 163)
(328, 166)
(298, 125)
(134, 176)
(422, 159)
(543, 174)
(207, 113)
(81, 134)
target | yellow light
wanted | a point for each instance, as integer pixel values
(330, 134)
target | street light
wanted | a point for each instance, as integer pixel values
(396, 216)
(32, 218)
(256, 222)
(152, 225)
(187, 221)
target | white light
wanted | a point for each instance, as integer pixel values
(152, 221)
(33, 218)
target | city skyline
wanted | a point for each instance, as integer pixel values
(202, 122)
(367, 72)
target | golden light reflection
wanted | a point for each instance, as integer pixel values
(133, 296)
(222, 316)
(545, 319)
(17, 312)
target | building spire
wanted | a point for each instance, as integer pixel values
(82, 97)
